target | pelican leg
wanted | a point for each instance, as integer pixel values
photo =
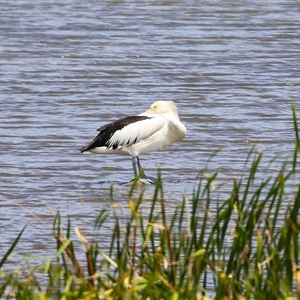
(140, 168)
(137, 168)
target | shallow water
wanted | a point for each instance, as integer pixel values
(67, 68)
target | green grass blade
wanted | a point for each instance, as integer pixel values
(11, 248)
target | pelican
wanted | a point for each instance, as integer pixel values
(152, 130)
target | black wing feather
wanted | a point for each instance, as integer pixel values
(108, 130)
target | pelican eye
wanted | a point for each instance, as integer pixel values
(155, 107)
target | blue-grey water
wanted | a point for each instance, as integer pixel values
(68, 67)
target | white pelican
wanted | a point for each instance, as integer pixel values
(154, 129)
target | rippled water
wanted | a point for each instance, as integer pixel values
(68, 67)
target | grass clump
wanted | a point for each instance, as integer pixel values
(245, 247)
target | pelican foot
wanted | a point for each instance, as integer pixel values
(146, 180)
